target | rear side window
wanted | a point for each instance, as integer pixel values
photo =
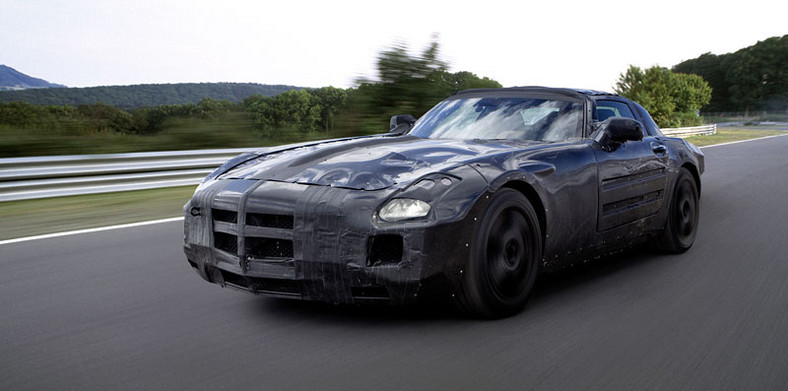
(651, 126)
(611, 108)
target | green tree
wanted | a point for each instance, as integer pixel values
(210, 108)
(672, 99)
(712, 69)
(464, 80)
(331, 101)
(406, 84)
(295, 111)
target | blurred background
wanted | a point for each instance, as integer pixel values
(106, 77)
(94, 77)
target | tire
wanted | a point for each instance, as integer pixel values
(504, 259)
(681, 226)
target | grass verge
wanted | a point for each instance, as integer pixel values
(726, 135)
(49, 215)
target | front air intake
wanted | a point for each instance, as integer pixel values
(224, 216)
(384, 249)
(269, 248)
(226, 242)
(269, 220)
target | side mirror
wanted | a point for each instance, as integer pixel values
(618, 130)
(402, 123)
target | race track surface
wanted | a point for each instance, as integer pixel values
(123, 310)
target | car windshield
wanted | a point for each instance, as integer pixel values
(518, 118)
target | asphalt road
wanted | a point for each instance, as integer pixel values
(123, 310)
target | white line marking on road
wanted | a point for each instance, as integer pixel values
(744, 141)
(89, 230)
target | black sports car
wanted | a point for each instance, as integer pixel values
(471, 201)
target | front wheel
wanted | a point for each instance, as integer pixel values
(502, 267)
(681, 226)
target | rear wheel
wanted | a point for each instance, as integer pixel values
(682, 222)
(507, 247)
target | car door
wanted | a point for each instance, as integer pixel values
(632, 177)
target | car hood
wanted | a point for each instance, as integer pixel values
(368, 163)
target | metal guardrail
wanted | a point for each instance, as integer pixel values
(690, 131)
(54, 176)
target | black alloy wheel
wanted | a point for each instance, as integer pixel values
(681, 225)
(505, 255)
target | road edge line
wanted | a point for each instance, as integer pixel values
(744, 141)
(89, 230)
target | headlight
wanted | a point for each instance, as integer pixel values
(399, 209)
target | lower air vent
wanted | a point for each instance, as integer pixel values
(269, 248)
(225, 242)
(384, 249)
(369, 293)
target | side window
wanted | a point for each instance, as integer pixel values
(611, 108)
(651, 126)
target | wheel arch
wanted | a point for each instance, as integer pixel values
(532, 196)
(695, 175)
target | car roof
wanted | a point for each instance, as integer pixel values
(575, 92)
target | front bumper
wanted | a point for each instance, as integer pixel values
(317, 243)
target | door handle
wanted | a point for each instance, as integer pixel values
(659, 148)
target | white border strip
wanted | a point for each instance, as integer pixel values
(744, 141)
(89, 230)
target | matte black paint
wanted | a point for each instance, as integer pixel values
(591, 198)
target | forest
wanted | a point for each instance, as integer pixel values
(754, 78)
(142, 95)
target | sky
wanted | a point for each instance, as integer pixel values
(576, 44)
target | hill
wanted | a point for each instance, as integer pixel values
(135, 96)
(12, 80)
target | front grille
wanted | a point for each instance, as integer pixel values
(269, 220)
(269, 248)
(224, 216)
(384, 249)
(225, 242)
